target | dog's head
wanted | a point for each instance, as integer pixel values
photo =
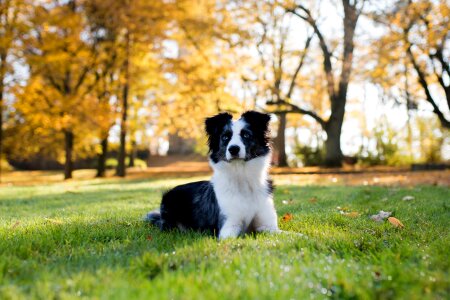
(244, 139)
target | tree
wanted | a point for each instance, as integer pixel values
(417, 39)
(143, 26)
(103, 18)
(61, 59)
(12, 25)
(199, 66)
(337, 86)
(275, 76)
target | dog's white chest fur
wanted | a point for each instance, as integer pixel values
(243, 196)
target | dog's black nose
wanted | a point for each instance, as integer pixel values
(234, 150)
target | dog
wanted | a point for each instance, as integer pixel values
(239, 197)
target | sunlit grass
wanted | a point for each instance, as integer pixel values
(86, 238)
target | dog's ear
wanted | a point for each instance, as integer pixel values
(259, 121)
(214, 125)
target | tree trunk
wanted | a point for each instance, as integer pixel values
(121, 170)
(133, 154)
(280, 141)
(333, 128)
(179, 145)
(101, 166)
(333, 157)
(68, 164)
(2, 90)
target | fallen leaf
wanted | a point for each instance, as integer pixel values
(346, 212)
(53, 221)
(352, 214)
(149, 238)
(285, 202)
(395, 222)
(287, 217)
(312, 200)
(342, 209)
(381, 216)
(15, 224)
(377, 275)
(408, 198)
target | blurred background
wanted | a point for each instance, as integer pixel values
(115, 86)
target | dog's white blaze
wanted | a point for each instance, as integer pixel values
(242, 195)
(236, 139)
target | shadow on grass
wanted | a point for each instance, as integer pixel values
(78, 201)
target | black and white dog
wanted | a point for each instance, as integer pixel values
(238, 198)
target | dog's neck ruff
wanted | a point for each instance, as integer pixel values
(241, 174)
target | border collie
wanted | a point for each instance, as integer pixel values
(238, 198)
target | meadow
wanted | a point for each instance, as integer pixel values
(86, 239)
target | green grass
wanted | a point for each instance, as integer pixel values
(86, 239)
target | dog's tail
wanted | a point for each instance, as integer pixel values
(154, 217)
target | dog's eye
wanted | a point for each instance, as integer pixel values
(245, 135)
(225, 137)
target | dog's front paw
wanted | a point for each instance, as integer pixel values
(270, 228)
(230, 231)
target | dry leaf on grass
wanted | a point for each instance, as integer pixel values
(312, 200)
(15, 224)
(408, 198)
(346, 212)
(395, 222)
(342, 209)
(53, 221)
(382, 215)
(287, 217)
(352, 214)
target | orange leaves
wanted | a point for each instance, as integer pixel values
(287, 217)
(383, 215)
(53, 221)
(346, 212)
(17, 223)
(352, 214)
(380, 217)
(312, 200)
(395, 222)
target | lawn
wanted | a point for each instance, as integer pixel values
(86, 239)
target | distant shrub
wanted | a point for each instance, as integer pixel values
(5, 166)
(111, 163)
(308, 155)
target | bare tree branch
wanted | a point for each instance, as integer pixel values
(299, 66)
(441, 80)
(295, 109)
(423, 82)
(323, 45)
(260, 43)
(278, 69)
